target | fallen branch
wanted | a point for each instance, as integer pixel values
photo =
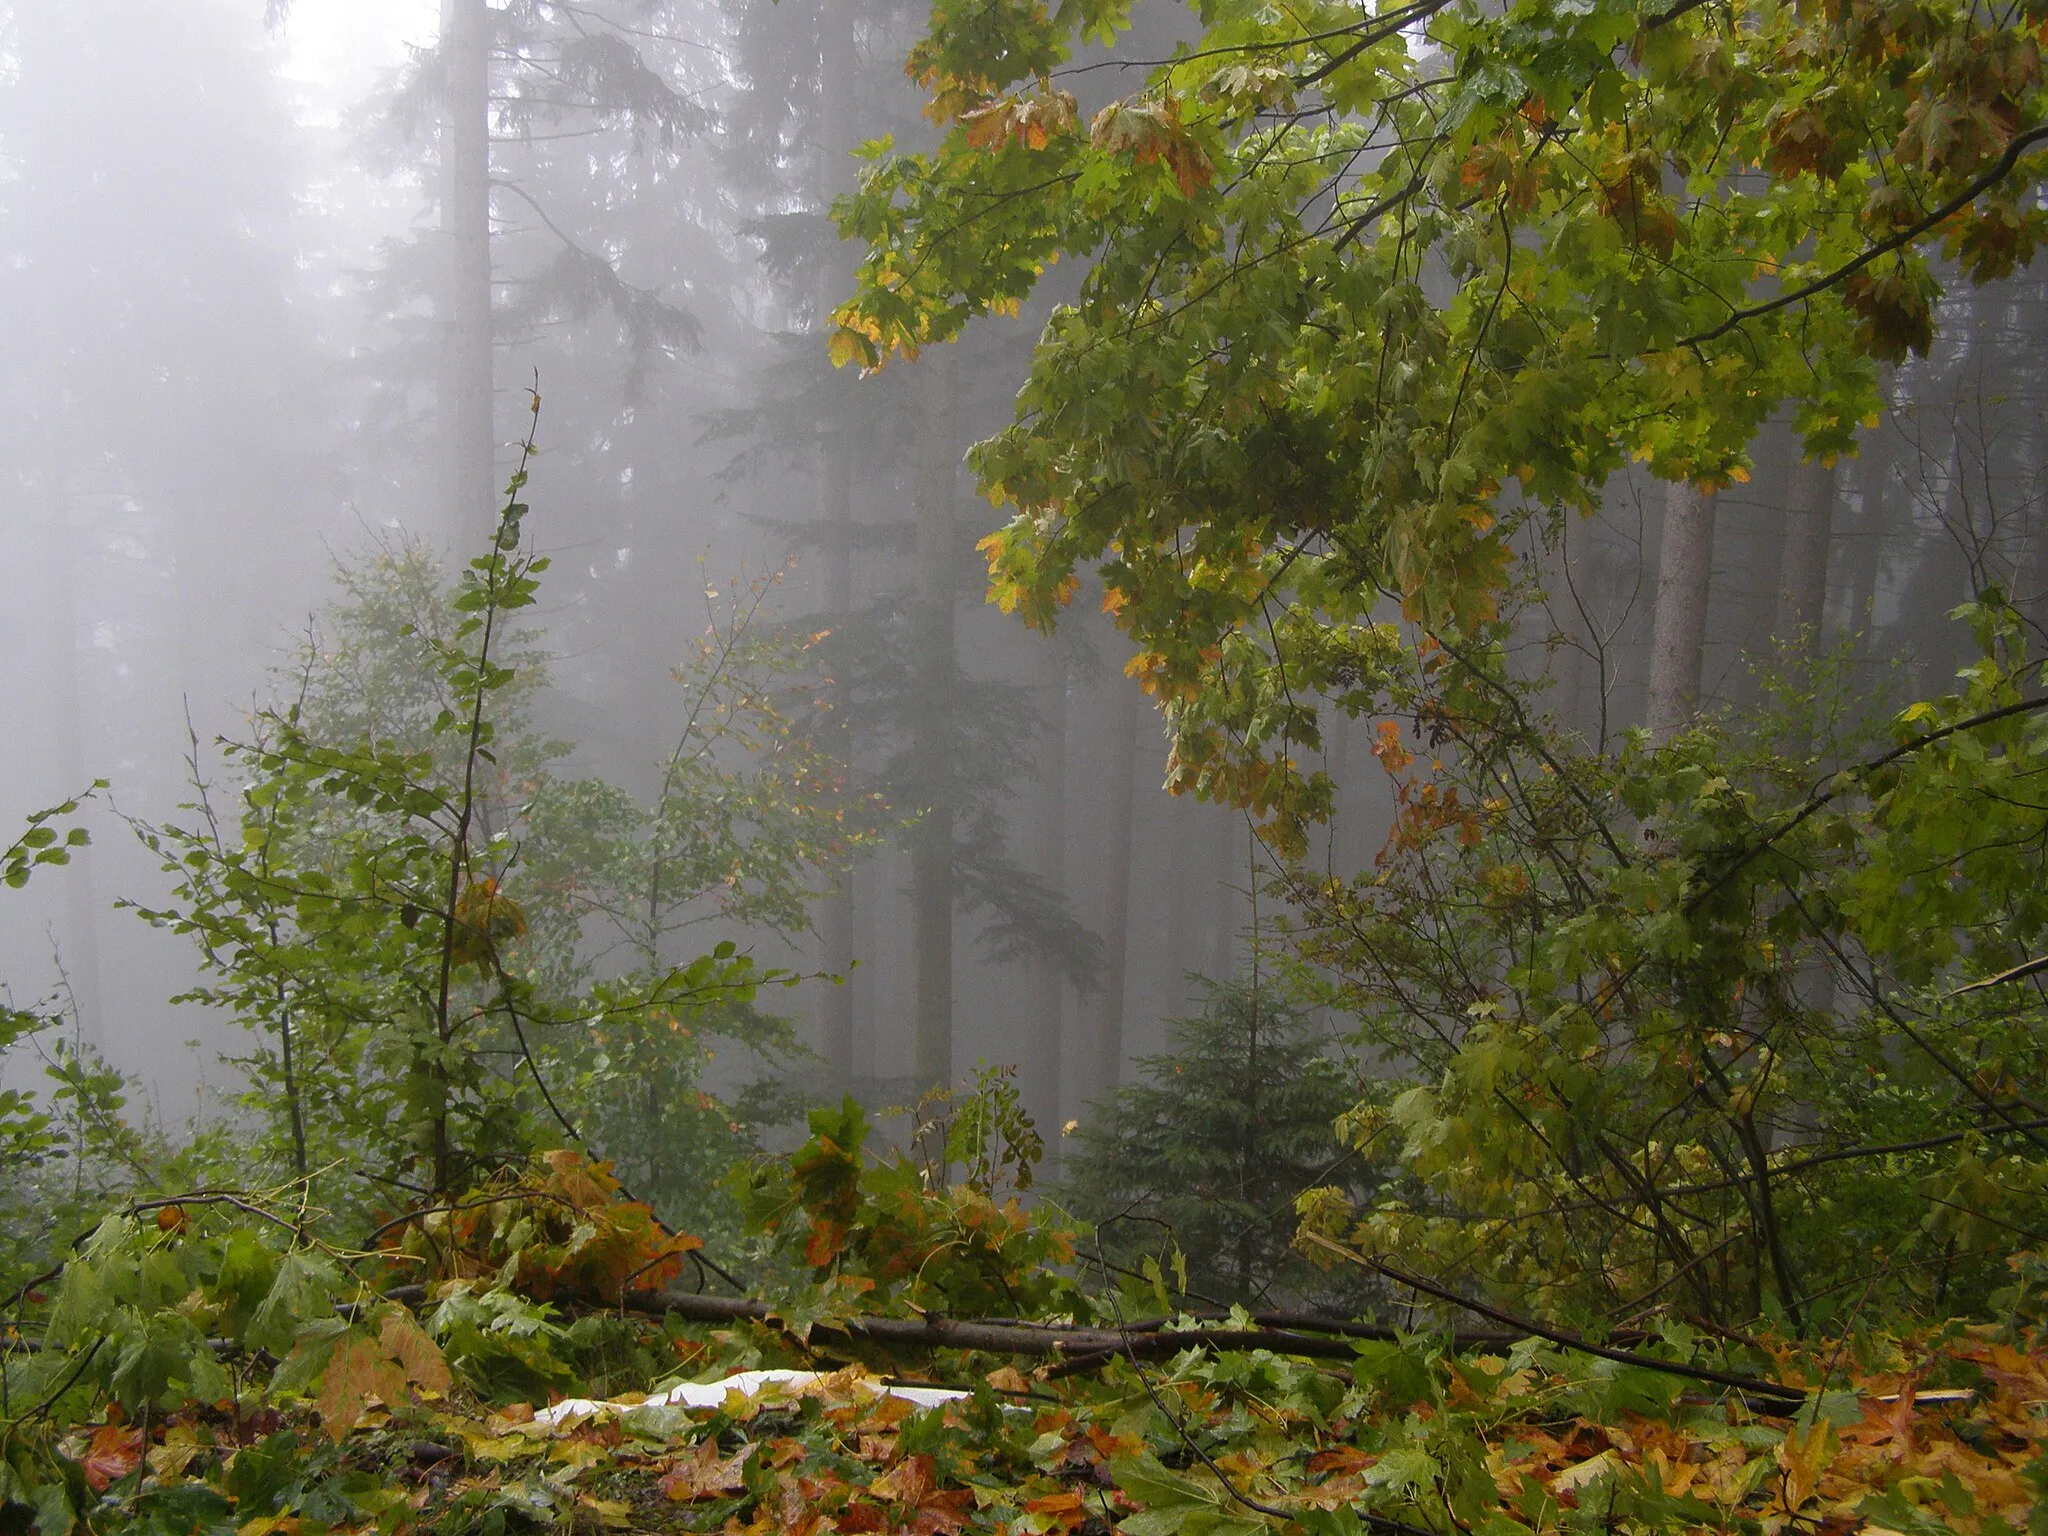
(1078, 1347)
(1073, 1342)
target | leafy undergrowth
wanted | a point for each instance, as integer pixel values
(213, 1368)
(1942, 1435)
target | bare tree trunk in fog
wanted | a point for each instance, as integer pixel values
(835, 488)
(835, 282)
(1567, 641)
(1685, 567)
(1125, 711)
(2031, 586)
(1184, 889)
(835, 1002)
(1864, 543)
(1803, 572)
(1802, 604)
(80, 956)
(466, 218)
(1050, 1021)
(1229, 909)
(931, 859)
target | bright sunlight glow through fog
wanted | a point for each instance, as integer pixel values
(337, 48)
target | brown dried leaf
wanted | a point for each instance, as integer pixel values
(418, 1356)
(704, 1474)
(358, 1372)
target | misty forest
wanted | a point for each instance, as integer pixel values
(968, 766)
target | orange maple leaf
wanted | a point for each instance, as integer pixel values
(114, 1453)
(910, 1481)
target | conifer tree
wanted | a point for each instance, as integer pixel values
(534, 121)
(1206, 1150)
(942, 745)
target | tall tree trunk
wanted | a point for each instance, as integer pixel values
(81, 952)
(1685, 567)
(1049, 1023)
(1802, 604)
(931, 864)
(1184, 889)
(1803, 571)
(1126, 704)
(1229, 913)
(1863, 554)
(471, 444)
(2030, 465)
(835, 1002)
(835, 488)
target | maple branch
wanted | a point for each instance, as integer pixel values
(2000, 169)
(1806, 1164)
(1755, 1385)
(66, 1384)
(452, 1207)
(239, 1201)
(1391, 23)
(212, 1197)
(1673, 14)
(1840, 783)
(526, 1053)
(1380, 209)
(1535, 741)
(2018, 972)
(1869, 987)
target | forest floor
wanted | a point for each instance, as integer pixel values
(1939, 1434)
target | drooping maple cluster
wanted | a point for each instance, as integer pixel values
(1369, 288)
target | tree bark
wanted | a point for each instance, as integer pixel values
(1230, 910)
(1802, 605)
(835, 490)
(1050, 1021)
(1568, 638)
(1803, 573)
(1289, 1333)
(1125, 708)
(81, 954)
(1685, 567)
(1864, 544)
(1183, 917)
(835, 1002)
(931, 858)
(471, 442)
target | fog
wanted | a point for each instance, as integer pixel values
(244, 339)
(228, 366)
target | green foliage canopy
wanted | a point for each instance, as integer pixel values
(433, 932)
(1366, 288)
(1722, 1028)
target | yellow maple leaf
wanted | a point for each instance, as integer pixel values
(417, 1355)
(378, 1367)
(357, 1372)
(1804, 1455)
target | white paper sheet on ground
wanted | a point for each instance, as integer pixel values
(711, 1394)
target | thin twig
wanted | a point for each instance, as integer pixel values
(1560, 1337)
